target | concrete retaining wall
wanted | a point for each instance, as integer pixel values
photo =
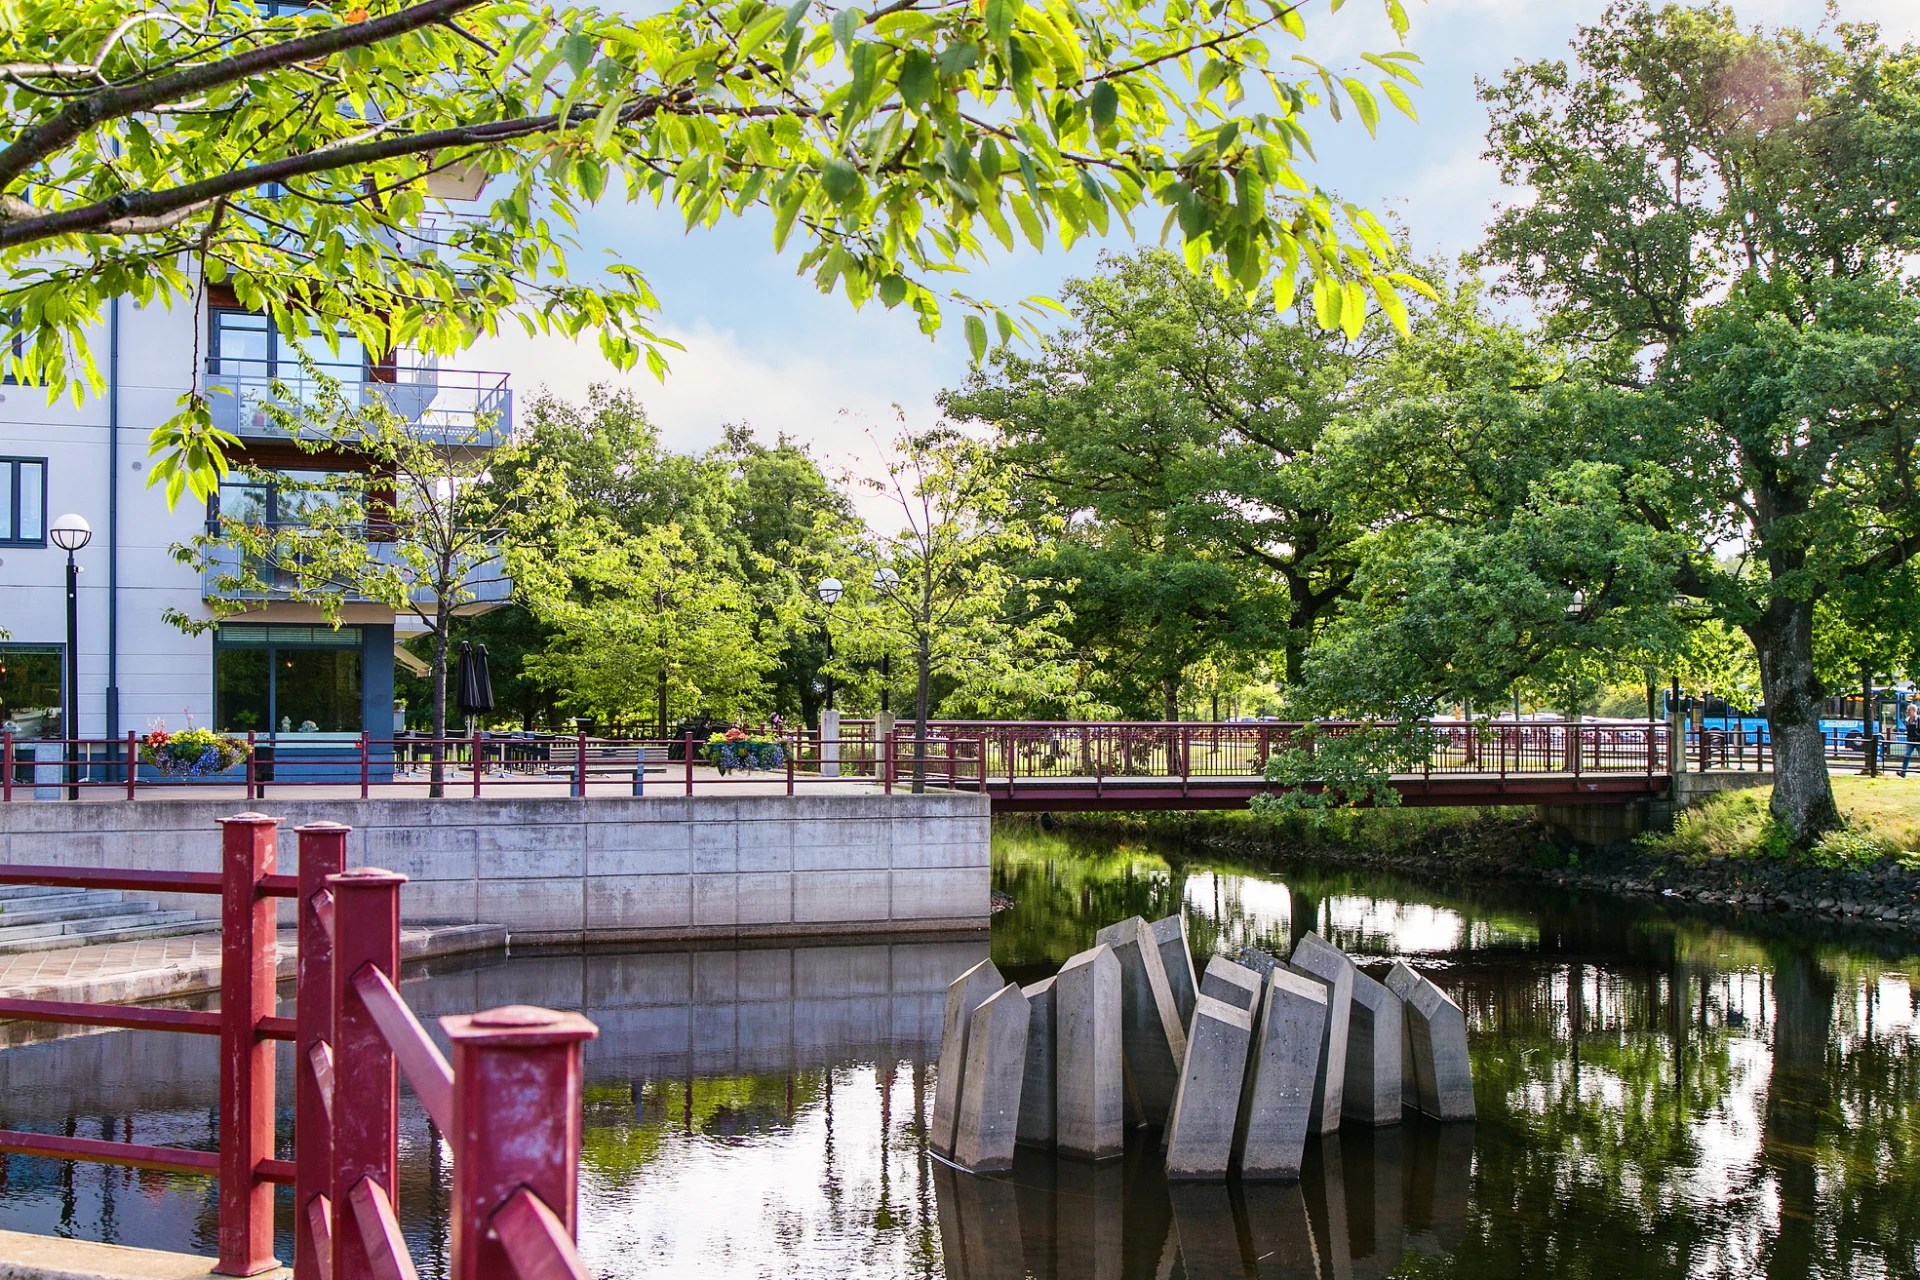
(1600, 824)
(600, 869)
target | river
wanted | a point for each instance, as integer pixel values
(1661, 1093)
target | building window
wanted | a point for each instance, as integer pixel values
(31, 684)
(282, 497)
(23, 501)
(246, 344)
(287, 679)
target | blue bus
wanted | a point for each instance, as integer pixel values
(1841, 720)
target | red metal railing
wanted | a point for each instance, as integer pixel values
(509, 1104)
(1115, 750)
(472, 766)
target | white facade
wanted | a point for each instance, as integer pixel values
(129, 576)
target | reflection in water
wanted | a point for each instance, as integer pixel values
(1659, 1096)
(1364, 1199)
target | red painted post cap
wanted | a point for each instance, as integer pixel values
(518, 1024)
(252, 819)
(360, 876)
(323, 825)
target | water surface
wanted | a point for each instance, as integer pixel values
(1660, 1094)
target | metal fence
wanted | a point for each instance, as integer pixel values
(509, 1103)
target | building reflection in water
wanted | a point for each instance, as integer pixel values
(1364, 1200)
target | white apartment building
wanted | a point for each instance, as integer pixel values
(275, 670)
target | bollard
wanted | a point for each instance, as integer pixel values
(366, 1141)
(248, 852)
(516, 1125)
(640, 768)
(323, 854)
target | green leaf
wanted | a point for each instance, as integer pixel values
(893, 289)
(796, 14)
(960, 57)
(1000, 16)
(917, 77)
(843, 24)
(1363, 102)
(841, 181)
(578, 49)
(976, 338)
(1103, 105)
(1398, 97)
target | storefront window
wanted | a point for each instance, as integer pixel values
(30, 686)
(287, 679)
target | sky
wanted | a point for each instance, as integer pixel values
(764, 348)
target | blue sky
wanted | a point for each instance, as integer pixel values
(764, 348)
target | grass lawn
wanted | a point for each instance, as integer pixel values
(1882, 816)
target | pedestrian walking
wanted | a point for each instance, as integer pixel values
(1913, 734)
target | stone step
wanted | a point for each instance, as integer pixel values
(81, 909)
(10, 893)
(159, 924)
(118, 916)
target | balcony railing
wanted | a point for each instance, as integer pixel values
(462, 407)
(484, 584)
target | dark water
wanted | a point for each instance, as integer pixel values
(1660, 1094)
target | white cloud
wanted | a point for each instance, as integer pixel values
(829, 400)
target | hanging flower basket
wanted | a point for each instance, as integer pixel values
(738, 749)
(191, 753)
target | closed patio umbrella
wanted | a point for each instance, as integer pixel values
(476, 685)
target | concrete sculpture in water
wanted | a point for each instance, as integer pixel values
(1268, 1051)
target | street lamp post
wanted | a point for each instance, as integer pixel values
(70, 533)
(829, 590)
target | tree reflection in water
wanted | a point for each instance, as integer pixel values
(1659, 1095)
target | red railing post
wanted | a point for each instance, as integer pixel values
(886, 764)
(793, 750)
(516, 1127)
(689, 761)
(248, 854)
(323, 854)
(251, 793)
(366, 770)
(133, 761)
(366, 1132)
(476, 748)
(6, 767)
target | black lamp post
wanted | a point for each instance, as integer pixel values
(70, 533)
(829, 589)
(885, 580)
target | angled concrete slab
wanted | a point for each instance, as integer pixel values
(1373, 1090)
(1231, 983)
(989, 1111)
(1436, 1033)
(1320, 960)
(1276, 1103)
(964, 994)
(1176, 957)
(1038, 1085)
(1089, 1083)
(1200, 1133)
(1153, 1039)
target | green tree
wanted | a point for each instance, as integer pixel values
(292, 156)
(940, 588)
(1183, 431)
(644, 628)
(390, 512)
(1720, 222)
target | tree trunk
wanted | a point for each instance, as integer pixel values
(437, 752)
(1170, 698)
(921, 693)
(1802, 789)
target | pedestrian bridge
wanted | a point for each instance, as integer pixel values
(1032, 766)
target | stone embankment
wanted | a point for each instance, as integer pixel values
(1882, 894)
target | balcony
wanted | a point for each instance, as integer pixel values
(486, 584)
(462, 408)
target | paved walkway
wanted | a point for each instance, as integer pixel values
(131, 972)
